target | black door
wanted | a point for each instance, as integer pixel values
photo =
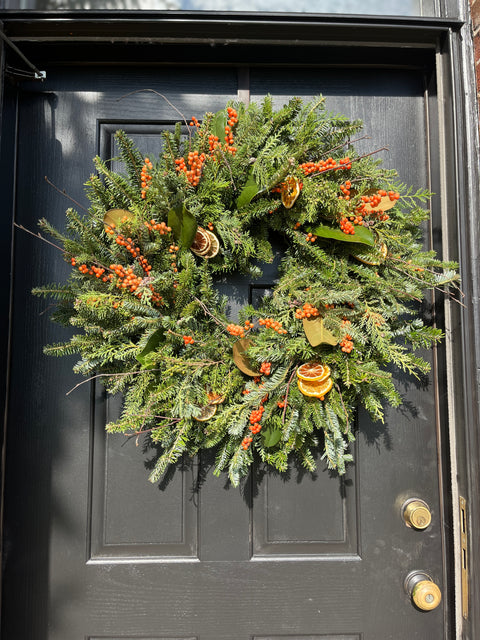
(92, 550)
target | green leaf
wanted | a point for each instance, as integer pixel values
(361, 235)
(219, 124)
(184, 225)
(151, 345)
(248, 192)
(271, 435)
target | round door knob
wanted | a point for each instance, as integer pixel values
(426, 595)
(416, 514)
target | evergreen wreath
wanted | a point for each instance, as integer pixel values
(282, 378)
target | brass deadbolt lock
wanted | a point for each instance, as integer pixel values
(426, 595)
(416, 514)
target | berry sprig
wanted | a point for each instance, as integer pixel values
(270, 323)
(188, 340)
(134, 251)
(161, 227)
(347, 226)
(195, 163)
(255, 420)
(246, 442)
(347, 344)
(325, 165)
(307, 311)
(265, 368)
(238, 330)
(146, 177)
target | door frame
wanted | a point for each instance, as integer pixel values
(90, 38)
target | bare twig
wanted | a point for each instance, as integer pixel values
(39, 236)
(157, 93)
(64, 193)
(110, 375)
(209, 313)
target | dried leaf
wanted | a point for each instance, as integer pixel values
(316, 332)
(241, 359)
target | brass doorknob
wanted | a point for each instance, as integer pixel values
(416, 514)
(426, 595)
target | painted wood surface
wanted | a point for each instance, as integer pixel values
(92, 550)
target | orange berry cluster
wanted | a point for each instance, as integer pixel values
(91, 271)
(210, 226)
(194, 122)
(281, 403)
(345, 189)
(307, 311)
(347, 344)
(195, 162)
(188, 340)
(347, 226)
(146, 177)
(232, 121)
(325, 165)
(238, 330)
(161, 227)
(255, 419)
(265, 368)
(297, 225)
(310, 237)
(246, 442)
(213, 143)
(373, 201)
(134, 251)
(270, 323)
(126, 278)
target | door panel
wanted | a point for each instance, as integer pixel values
(92, 549)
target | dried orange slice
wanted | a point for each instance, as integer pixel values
(206, 413)
(313, 372)
(215, 398)
(290, 191)
(315, 389)
(201, 243)
(214, 245)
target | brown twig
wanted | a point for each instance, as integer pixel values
(110, 375)
(336, 168)
(39, 236)
(64, 193)
(157, 93)
(207, 311)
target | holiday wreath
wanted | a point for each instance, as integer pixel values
(284, 377)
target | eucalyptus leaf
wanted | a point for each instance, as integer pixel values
(248, 192)
(271, 436)
(362, 235)
(152, 343)
(183, 224)
(219, 124)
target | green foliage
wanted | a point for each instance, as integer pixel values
(151, 323)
